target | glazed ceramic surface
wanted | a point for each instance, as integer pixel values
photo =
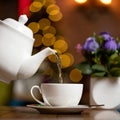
(105, 91)
(57, 94)
(58, 109)
(16, 44)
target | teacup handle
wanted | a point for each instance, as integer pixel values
(31, 91)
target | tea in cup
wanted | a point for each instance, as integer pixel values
(59, 94)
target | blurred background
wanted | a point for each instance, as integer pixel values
(73, 22)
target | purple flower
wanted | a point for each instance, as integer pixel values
(110, 45)
(90, 45)
(106, 36)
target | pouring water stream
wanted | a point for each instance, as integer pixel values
(59, 67)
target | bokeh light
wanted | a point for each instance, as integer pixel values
(81, 1)
(46, 34)
(75, 75)
(106, 2)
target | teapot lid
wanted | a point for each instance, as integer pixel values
(19, 25)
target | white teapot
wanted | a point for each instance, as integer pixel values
(16, 44)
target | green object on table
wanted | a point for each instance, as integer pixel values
(40, 105)
(5, 93)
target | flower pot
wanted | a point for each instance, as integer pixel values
(106, 91)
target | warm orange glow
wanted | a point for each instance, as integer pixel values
(80, 1)
(107, 2)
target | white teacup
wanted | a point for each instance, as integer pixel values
(57, 94)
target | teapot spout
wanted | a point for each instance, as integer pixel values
(31, 65)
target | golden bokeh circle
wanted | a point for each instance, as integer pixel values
(35, 6)
(49, 2)
(34, 26)
(48, 39)
(52, 8)
(61, 45)
(38, 40)
(71, 58)
(75, 75)
(50, 29)
(44, 23)
(56, 17)
(65, 60)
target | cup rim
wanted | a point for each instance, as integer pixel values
(77, 84)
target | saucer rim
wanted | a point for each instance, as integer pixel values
(59, 109)
(56, 107)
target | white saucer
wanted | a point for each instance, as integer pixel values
(59, 109)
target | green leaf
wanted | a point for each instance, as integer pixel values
(115, 71)
(98, 67)
(113, 56)
(85, 68)
(115, 61)
(98, 74)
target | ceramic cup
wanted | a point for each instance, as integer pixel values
(57, 94)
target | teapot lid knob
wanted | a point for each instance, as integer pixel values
(23, 19)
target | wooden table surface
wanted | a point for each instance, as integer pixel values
(25, 113)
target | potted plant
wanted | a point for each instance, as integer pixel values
(102, 63)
